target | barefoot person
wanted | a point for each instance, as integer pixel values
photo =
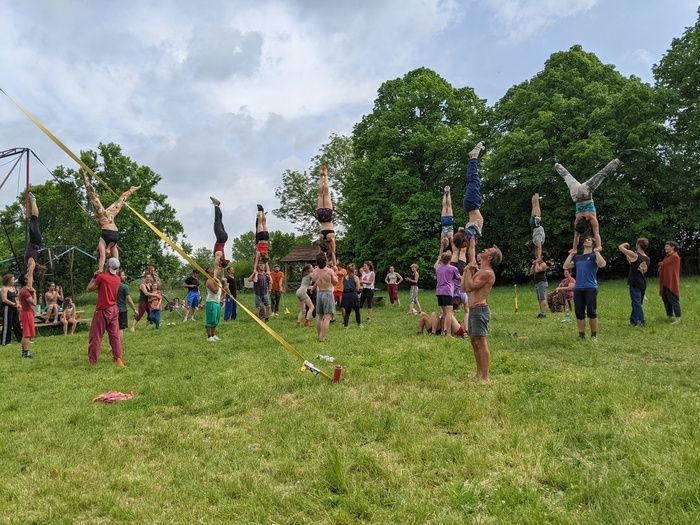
(446, 276)
(262, 240)
(31, 251)
(393, 280)
(325, 279)
(538, 270)
(536, 225)
(636, 278)
(109, 238)
(586, 289)
(191, 284)
(212, 307)
(472, 202)
(306, 306)
(106, 316)
(447, 217)
(367, 281)
(52, 297)
(324, 215)
(670, 282)
(219, 234)
(124, 299)
(144, 295)
(68, 316)
(564, 294)
(477, 282)
(582, 195)
(414, 306)
(10, 311)
(350, 300)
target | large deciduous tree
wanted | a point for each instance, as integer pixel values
(678, 80)
(583, 112)
(415, 142)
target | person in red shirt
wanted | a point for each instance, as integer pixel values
(106, 317)
(670, 282)
(27, 301)
(278, 286)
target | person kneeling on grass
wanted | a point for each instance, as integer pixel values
(106, 316)
(212, 309)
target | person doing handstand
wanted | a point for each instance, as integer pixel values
(536, 225)
(472, 202)
(324, 215)
(220, 235)
(31, 252)
(105, 218)
(262, 240)
(447, 218)
(582, 195)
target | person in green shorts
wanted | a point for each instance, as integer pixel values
(212, 308)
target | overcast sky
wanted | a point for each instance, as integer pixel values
(219, 97)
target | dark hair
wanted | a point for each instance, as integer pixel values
(323, 245)
(321, 260)
(22, 280)
(306, 270)
(643, 243)
(371, 266)
(496, 257)
(351, 269)
(445, 257)
(459, 239)
(673, 244)
(583, 224)
(264, 259)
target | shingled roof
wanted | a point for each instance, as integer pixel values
(301, 254)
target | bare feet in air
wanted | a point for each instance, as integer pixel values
(474, 154)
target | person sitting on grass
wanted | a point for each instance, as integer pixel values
(324, 215)
(582, 195)
(105, 218)
(212, 310)
(262, 240)
(393, 280)
(52, 297)
(565, 294)
(472, 202)
(68, 316)
(536, 225)
(432, 324)
(155, 304)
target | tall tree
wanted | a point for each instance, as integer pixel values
(298, 194)
(583, 112)
(415, 141)
(678, 80)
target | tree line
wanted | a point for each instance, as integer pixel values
(388, 176)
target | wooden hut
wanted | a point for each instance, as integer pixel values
(300, 255)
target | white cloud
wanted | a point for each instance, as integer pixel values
(642, 56)
(520, 19)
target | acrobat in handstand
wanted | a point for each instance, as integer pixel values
(262, 240)
(582, 195)
(472, 202)
(536, 225)
(220, 235)
(105, 218)
(324, 215)
(31, 251)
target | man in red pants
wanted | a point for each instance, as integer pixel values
(106, 318)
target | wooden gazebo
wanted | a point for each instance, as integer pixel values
(300, 255)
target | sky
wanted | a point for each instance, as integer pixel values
(220, 97)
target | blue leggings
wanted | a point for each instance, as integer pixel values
(472, 193)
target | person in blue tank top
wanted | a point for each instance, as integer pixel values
(586, 288)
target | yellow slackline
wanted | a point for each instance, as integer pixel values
(515, 297)
(306, 365)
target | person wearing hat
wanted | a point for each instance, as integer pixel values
(277, 287)
(106, 317)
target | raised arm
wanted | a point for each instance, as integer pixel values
(599, 258)
(569, 262)
(632, 256)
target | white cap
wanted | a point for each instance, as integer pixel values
(113, 265)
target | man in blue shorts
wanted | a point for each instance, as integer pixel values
(192, 299)
(586, 288)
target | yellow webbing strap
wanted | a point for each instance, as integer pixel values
(306, 365)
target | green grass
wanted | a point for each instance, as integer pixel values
(568, 431)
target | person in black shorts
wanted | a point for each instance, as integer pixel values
(31, 252)
(324, 215)
(262, 240)
(219, 234)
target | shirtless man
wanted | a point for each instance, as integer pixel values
(52, 296)
(478, 283)
(325, 280)
(105, 217)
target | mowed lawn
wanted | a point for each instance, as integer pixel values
(568, 431)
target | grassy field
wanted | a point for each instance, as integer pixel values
(568, 431)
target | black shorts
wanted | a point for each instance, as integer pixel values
(123, 320)
(444, 300)
(585, 302)
(460, 265)
(31, 252)
(110, 236)
(262, 236)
